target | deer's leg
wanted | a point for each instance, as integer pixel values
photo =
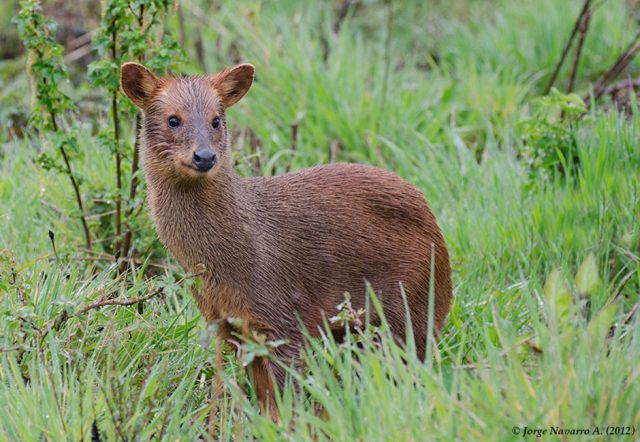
(262, 377)
(217, 386)
(269, 376)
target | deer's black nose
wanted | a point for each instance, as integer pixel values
(204, 159)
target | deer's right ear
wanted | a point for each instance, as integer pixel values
(138, 83)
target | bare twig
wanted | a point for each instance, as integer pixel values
(627, 319)
(387, 60)
(627, 83)
(256, 152)
(567, 46)
(116, 139)
(114, 420)
(54, 391)
(199, 47)
(79, 53)
(98, 256)
(79, 47)
(21, 296)
(63, 317)
(99, 215)
(80, 41)
(61, 213)
(165, 423)
(334, 149)
(629, 316)
(74, 183)
(105, 301)
(181, 26)
(342, 14)
(582, 29)
(14, 282)
(621, 64)
(133, 190)
(623, 283)
(294, 142)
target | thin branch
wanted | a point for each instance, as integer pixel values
(116, 136)
(100, 215)
(342, 14)
(621, 64)
(104, 302)
(133, 189)
(627, 319)
(256, 152)
(98, 256)
(567, 46)
(80, 41)
(13, 280)
(21, 296)
(583, 28)
(77, 54)
(182, 39)
(151, 21)
(623, 283)
(114, 420)
(55, 393)
(294, 142)
(74, 183)
(387, 59)
(627, 83)
(63, 317)
(629, 316)
(334, 150)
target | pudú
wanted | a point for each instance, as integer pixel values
(277, 251)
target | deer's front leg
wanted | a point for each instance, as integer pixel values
(262, 375)
(268, 376)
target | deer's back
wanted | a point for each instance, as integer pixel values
(328, 229)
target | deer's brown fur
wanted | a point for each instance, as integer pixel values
(275, 249)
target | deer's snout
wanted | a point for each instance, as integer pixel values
(204, 159)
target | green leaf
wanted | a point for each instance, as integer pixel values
(557, 295)
(599, 326)
(587, 279)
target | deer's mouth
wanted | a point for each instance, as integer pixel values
(193, 169)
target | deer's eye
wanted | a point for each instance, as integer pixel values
(173, 121)
(216, 122)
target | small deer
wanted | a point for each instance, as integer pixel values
(280, 251)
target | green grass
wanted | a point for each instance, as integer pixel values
(546, 272)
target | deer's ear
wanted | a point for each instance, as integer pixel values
(138, 83)
(232, 84)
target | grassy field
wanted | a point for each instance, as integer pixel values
(546, 264)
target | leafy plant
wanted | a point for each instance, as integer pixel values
(129, 30)
(548, 136)
(47, 71)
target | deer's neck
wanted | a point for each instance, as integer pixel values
(208, 223)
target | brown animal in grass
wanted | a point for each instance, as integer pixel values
(285, 247)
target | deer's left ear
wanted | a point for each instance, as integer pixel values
(232, 84)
